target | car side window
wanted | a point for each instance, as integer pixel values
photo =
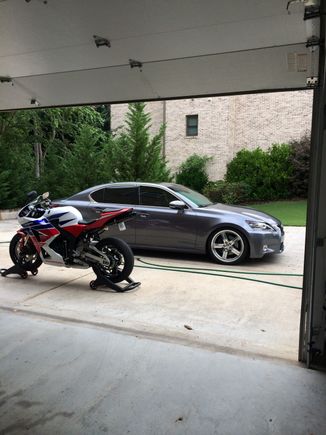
(155, 197)
(117, 195)
(98, 195)
(121, 195)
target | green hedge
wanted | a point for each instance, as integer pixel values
(300, 161)
(268, 173)
(228, 193)
(192, 172)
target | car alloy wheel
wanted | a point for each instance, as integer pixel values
(228, 246)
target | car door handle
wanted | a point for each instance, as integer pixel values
(144, 215)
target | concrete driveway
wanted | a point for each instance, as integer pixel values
(231, 312)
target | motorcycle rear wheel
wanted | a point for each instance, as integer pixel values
(26, 257)
(120, 256)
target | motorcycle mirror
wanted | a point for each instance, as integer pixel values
(45, 195)
(32, 195)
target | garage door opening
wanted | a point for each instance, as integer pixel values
(119, 64)
(186, 297)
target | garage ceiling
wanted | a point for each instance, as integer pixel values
(186, 47)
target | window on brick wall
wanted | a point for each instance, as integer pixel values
(191, 125)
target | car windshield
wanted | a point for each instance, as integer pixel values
(197, 198)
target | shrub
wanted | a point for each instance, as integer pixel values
(268, 173)
(300, 161)
(192, 172)
(228, 193)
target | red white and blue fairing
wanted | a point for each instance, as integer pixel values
(43, 225)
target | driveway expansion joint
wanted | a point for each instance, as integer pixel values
(53, 288)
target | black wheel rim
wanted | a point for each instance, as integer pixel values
(116, 261)
(26, 256)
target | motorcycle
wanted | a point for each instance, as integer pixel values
(59, 236)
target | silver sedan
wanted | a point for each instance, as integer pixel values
(172, 217)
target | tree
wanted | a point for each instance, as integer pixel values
(84, 164)
(33, 146)
(4, 186)
(134, 154)
(58, 127)
(60, 132)
(105, 111)
(16, 160)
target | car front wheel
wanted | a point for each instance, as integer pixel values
(228, 246)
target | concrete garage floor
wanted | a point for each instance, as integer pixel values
(224, 313)
(75, 361)
(59, 378)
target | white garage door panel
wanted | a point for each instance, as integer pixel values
(264, 69)
(79, 87)
(223, 38)
(233, 72)
(187, 47)
(33, 26)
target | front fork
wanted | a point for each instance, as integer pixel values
(25, 238)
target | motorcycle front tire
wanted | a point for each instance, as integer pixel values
(21, 259)
(121, 256)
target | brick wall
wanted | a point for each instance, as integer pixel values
(227, 124)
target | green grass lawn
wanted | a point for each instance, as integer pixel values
(289, 212)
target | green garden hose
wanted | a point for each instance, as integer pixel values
(199, 271)
(220, 270)
(217, 272)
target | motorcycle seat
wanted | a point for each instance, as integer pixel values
(86, 222)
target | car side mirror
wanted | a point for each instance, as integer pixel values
(178, 205)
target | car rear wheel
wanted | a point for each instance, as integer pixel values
(228, 246)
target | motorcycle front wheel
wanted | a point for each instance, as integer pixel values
(24, 255)
(120, 256)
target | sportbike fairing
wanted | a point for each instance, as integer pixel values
(65, 221)
(58, 236)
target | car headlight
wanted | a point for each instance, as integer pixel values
(260, 225)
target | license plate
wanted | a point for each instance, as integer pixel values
(122, 226)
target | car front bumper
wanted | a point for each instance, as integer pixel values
(263, 242)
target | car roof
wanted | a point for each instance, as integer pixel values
(122, 184)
